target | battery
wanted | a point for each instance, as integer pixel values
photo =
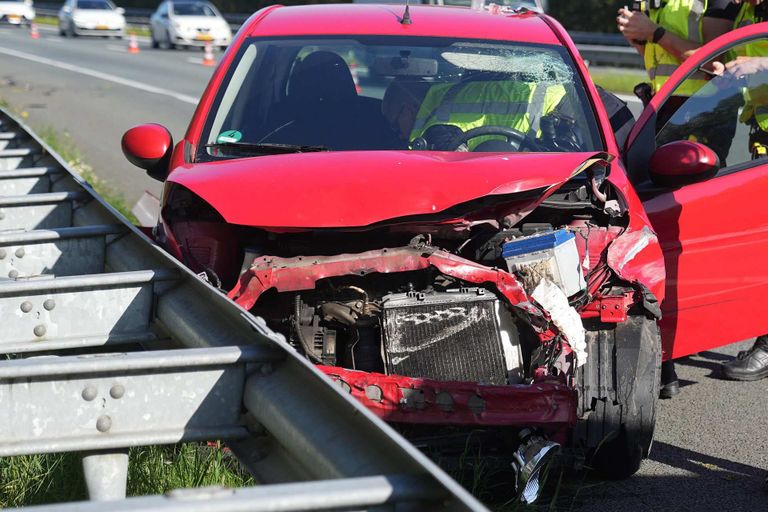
(551, 255)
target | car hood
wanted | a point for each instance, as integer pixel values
(18, 8)
(356, 189)
(97, 15)
(206, 22)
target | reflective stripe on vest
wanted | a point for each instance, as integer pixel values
(682, 18)
(518, 105)
(756, 94)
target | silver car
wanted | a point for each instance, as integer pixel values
(91, 17)
(188, 23)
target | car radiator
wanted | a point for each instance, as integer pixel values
(450, 336)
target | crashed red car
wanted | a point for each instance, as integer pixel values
(491, 268)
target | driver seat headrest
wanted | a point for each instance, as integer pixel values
(321, 78)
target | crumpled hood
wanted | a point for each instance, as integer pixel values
(355, 189)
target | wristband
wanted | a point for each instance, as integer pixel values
(658, 34)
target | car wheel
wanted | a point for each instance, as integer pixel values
(61, 31)
(155, 43)
(171, 45)
(618, 389)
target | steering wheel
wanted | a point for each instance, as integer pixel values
(510, 134)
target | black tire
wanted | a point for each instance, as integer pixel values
(155, 43)
(171, 44)
(618, 390)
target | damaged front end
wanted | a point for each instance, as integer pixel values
(450, 323)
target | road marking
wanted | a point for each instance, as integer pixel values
(115, 48)
(102, 76)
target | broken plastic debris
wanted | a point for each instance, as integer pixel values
(564, 316)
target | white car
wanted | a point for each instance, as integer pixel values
(188, 23)
(16, 12)
(91, 17)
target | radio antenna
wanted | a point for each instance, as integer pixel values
(406, 19)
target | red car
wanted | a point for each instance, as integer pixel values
(430, 204)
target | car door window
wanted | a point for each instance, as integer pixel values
(730, 112)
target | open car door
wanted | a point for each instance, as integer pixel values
(704, 186)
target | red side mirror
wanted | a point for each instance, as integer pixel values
(149, 146)
(683, 162)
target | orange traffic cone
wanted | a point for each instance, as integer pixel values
(208, 59)
(33, 33)
(133, 45)
(355, 79)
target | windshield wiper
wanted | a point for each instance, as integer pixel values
(265, 148)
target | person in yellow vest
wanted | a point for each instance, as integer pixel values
(666, 32)
(450, 110)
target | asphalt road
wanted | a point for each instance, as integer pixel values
(94, 90)
(711, 449)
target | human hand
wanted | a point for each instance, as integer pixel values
(635, 25)
(742, 66)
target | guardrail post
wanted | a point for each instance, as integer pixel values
(106, 474)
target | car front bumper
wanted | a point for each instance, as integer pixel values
(16, 19)
(200, 41)
(98, 30)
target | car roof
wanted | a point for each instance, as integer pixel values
(384, 19)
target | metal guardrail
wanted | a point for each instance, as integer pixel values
(186, 364)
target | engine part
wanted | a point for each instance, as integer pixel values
(453, 335)
(550, 255)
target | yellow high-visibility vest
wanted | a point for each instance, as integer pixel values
(518, 105)
(682, 18)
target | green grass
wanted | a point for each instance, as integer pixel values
(131, 29)
(37, 479)
(63, 145)
(620, 81)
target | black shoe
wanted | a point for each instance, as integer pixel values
(669, 385)
(750, 364)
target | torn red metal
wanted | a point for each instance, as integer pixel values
(301, 273)
(410, 400)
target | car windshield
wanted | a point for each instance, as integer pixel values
(387, 93)
(94, 5)
(193, 9)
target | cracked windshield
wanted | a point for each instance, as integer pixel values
(381, 93)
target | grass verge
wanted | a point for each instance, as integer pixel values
(616, 80)
(63, 145)
(131, 29)
(50, 478)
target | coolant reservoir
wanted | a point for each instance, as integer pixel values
(552, 255)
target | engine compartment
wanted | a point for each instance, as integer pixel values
(447, 299)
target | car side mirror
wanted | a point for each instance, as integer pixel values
(120, 10)
(683, 162)
(28, 3)
(67, 9)
(149, 146)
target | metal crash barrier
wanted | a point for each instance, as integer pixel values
(110, 343)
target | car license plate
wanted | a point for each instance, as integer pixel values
(13, 18)
(204, 37)
(102, 27)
